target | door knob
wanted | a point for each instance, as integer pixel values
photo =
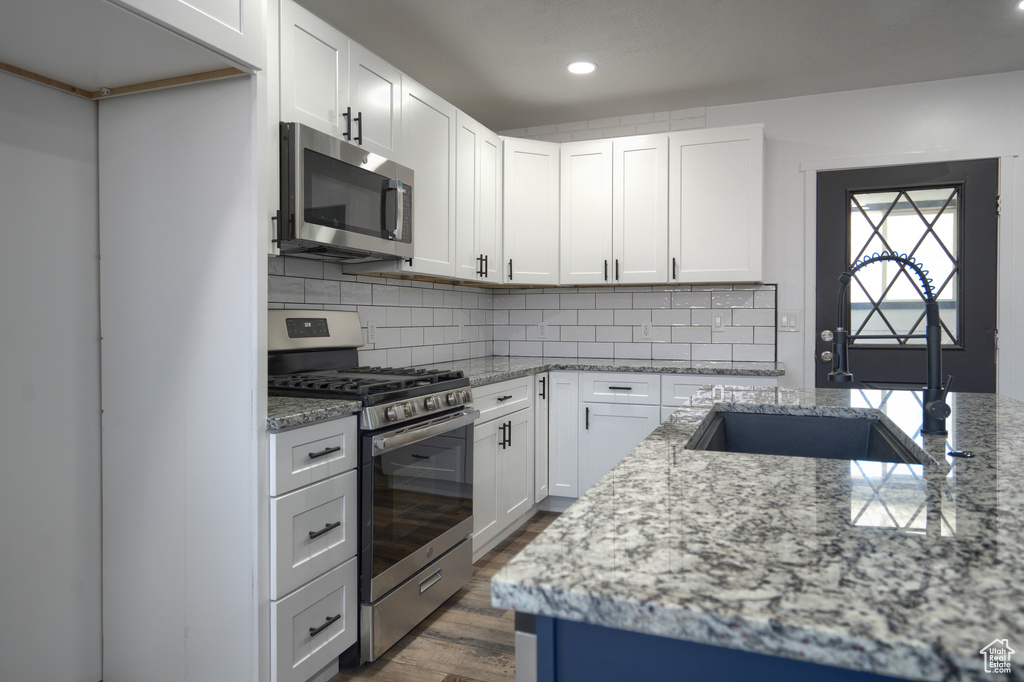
(826, 356)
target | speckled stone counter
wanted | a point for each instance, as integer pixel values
(287, 413)
(900, 570)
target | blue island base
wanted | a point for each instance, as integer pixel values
(568, 651)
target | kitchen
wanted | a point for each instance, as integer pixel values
(225, 296)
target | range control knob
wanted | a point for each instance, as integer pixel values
(466, 396)
(432, 403)
(452, 399)
(409, 409)
(391, 413)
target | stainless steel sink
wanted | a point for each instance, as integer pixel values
(801, 436)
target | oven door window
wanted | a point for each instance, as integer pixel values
(342, 196)
(420, 491)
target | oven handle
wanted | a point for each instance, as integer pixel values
(397, 439)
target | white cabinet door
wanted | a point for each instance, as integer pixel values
(375, 96)
(486, 503)
(233, 28)
(530, 210)
(477, 201)
(609, 432)
(586, 212)
(515, 457)
(428, 142)
(640, 209)
(540, 430)
(563, 434)
(314, 71)
(716, 204)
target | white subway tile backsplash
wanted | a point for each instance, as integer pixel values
(419, 322)
(604, 122)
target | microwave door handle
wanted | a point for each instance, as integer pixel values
(394, 210)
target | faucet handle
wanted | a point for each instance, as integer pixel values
(939, 409)
(945, 389)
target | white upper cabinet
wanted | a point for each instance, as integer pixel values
(586, 212)
(530, 210)
(716, 209)
(477, 201)
(428, 141)
(375, 95)
(615, 211)
(233, 28)
(314, 70)
(336, 86)
(640, 209)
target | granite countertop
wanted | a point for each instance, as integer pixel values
(288, 413)
(900, 570)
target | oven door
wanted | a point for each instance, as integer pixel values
(417, 498)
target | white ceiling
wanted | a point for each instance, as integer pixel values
(503, 61)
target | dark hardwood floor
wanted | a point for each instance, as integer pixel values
(465, 640)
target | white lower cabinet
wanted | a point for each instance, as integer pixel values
(542, 383)
(313, 543)
(563, 436)
(503, 462)
(610, 432)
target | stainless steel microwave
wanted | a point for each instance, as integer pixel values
(341, 201)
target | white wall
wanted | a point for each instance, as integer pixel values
(974, 117)
(50, 619)
(182, 281)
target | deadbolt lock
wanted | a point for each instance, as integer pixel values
(826, 335)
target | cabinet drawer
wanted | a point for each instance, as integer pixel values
(620, 387)
(327, 510)
(299, 648)
(676, 389)
(497, 400)
(311, 453)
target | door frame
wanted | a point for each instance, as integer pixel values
(1009, 307)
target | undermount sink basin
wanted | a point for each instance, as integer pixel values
(802, 436)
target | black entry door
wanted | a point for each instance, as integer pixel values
(945, 216)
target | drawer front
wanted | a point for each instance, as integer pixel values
(620, 387)
(299, 647)
(311, 453)
(327, 510)
(676, 389)
(497, 400)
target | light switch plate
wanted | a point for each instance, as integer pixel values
(789, 322)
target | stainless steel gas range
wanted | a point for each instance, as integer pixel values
(415, 468)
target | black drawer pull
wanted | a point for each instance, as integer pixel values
(322, 453)
(543, 387)
(620, 388)
(588, 419)
(504, 398)
(328, 527)
(422, 456)
(313, 632)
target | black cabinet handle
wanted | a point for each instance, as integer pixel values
(422, 456)
(480, 266)
(543, 387)
(485, 266)
(313, 632)
(606, 269)
(323, 453)
(616, 269)
(359, 120)
(348, 123)
(502, 443)
(329, 527)
(587, 425)
(673, 267)
(510, 269)
(504, 398)
(620, 388)
(508, 434)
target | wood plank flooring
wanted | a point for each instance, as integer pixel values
(465, 640)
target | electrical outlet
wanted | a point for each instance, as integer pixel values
(462, 332)
(371, 332)
(718, 322)
(542, 330)
(645, 331)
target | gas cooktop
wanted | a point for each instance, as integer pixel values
(371, 385)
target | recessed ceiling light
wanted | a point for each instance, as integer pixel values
(1020, 5)
(588, 67)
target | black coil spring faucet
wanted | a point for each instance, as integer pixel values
(935, 407)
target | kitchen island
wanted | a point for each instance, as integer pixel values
(683, 564)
